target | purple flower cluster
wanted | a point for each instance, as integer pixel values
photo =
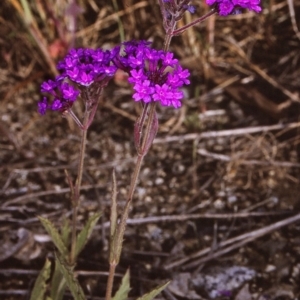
(81, 68)
(86, 66)
(155, 74)
(63, 95)
(227, 7)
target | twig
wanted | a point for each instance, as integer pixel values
(183, 218)
(48, 193)
(293, 18)
(230, 132)
(237, 242)
(235, 47)
(113, 17)
(285, 164)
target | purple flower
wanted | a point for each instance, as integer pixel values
(43, 106)
(69, 92)
(137, 76)
(57, 104)
(227, 7)
(162, 93)
(144, 90)
(63, 95)
(86, 66)
(168, 60)
(81, 69)
(155, 74)
(47, 86)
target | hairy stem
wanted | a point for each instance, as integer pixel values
(169, 36)
(75, 200)
(135, 176)
(118, 241)
(110, 280)
(199, 20)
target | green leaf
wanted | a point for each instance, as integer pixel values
(86, 232)
(55, 236)
(154, 292)
(40, 286)
(122, 292)
(58, 284)
(70, 278)
(65, 232)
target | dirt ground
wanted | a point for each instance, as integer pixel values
(217, 207)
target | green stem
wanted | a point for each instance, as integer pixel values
(134, 180)
(76, 200)
(118, 240)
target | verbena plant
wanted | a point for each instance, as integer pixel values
(157, 79)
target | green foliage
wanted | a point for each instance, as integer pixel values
(40, 286)
(122, 292)
(58, 284)
(55, 236)
(65, 232)
(70, 278)
(154, 292)
(86, 232)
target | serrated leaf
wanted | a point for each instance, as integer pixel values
(58, 284)
(154, 293)
(122, 292)
(55, 236)
(86, 232)
(70, 278)
(40, 286)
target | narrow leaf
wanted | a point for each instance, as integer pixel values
(58, 284)
(55, 236)
(152, 133)
(113, 207)
(65, 232)
(70, 278)
(138, 128)
(154, 292)
(86, 232)
(40, 286)
(122, 292)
